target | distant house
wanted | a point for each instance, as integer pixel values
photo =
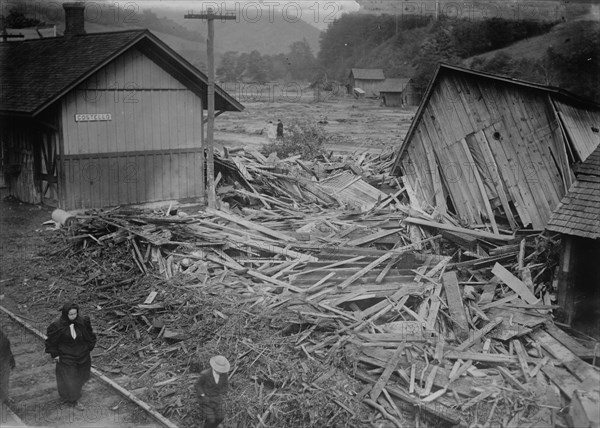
(399, 92)
(495, 150)
(28, 33)
(577, 218)
(369, 80)
(104, 119)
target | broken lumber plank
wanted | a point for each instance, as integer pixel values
(511, 379)
(385, 270)
(251, 225)
(587, 374)
(577, 348)
(373, 237)
(327, 267)
(364, 270)
(383, 412)
(411, 333)
(475, 356)
(271, 248)
(387, 372)
(479, 334)
(518, 347)
(563, 379)
(254, 273)
(455, 304)
(438, 410)
(442, 226)
(389, 306)
(514, 283)
(429, 382)
(435, 307)
(489, 290)
(585, 409)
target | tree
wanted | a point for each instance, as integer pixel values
(302, 61)
(227, 68)
(257, 69)
(16, 19)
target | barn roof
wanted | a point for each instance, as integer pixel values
(578, 213)
(394, 84)
(36, 73)
(556, 94)
(367, 73)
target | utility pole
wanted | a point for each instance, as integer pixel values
(210, 16)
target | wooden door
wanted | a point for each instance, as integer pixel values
(46, 167)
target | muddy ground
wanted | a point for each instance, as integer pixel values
(353, 125)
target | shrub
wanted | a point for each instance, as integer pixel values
(300, 137)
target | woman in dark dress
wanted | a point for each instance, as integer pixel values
(7, 363)
(70, 341)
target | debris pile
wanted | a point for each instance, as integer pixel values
(322, 305)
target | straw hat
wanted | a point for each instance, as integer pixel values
(220, 364)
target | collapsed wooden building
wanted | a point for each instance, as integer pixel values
(493, 150)
(104, 119)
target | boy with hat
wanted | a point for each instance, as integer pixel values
(211, 388)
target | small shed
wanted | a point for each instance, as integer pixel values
(367, 79)
(104, 119)
(577, 219)
(495, 150)
(399, 92)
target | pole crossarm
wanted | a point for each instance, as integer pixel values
(210, 15)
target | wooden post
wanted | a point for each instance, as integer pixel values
(210, 16)
(566, 280)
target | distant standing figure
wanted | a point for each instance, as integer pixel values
(70, 341)
(211, 389)
(7, 363)
(279, 129)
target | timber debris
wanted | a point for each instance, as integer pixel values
(328, 295)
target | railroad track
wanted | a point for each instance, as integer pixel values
(35, 400)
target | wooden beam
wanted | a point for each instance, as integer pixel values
(251, 225)
(372, 237)
(387, 372)
(455, 304)
(476, 233)
(514, 283)
(479, 334)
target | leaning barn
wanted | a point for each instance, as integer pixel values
(92, 120)
(495, 150)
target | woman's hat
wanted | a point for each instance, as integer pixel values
(220, 364)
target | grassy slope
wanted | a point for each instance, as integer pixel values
(563, 38)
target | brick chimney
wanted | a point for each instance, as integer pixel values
(74, 18)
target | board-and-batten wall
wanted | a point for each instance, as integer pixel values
(150, 150)
(488, 145)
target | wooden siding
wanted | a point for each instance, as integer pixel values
(487, 146)
(582, 127)
(119, 178)
(150, 150)
(392, 99)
